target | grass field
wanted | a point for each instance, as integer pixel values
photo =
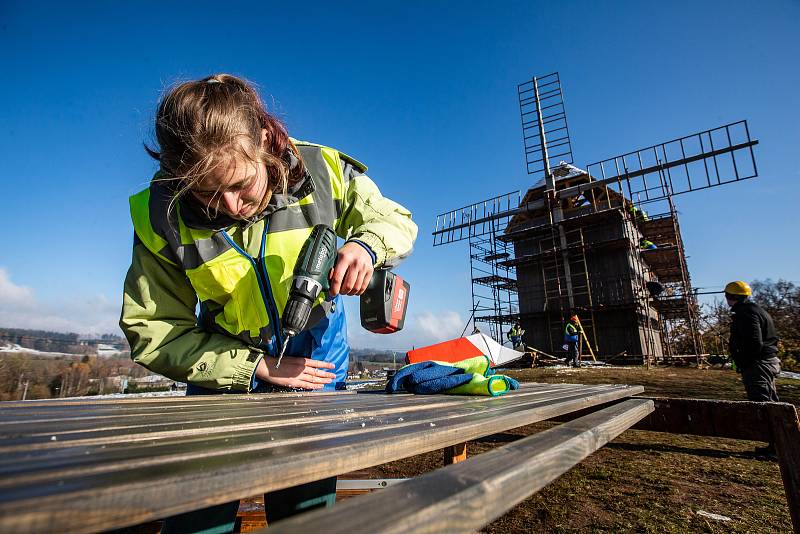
(646, 481)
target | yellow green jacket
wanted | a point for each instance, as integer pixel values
(238, 275)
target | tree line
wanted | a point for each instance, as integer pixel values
(46, 341)
(780, 299)
(42, 377)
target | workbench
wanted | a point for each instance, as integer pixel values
(93, 465)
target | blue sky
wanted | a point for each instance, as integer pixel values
(422, 92)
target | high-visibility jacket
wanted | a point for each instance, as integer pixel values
(571, 333)
(515, 331)
(241, 273)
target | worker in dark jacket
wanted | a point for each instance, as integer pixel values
(753, 343)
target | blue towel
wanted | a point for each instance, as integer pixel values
(427, 378)
(473, 376)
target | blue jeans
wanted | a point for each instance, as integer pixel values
(573, 358)
(221, 519)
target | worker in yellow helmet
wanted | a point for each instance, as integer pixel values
(753, 346)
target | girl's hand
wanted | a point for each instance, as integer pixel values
(295, 372)
(352, 272)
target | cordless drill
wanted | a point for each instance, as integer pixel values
(383, 304)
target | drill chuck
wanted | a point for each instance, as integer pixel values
(304, 292)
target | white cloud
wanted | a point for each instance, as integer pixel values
(20, 308)
(12, 294)
(439, 327)
(421, 329)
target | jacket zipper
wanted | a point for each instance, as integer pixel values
(263, 283)
(277, 328)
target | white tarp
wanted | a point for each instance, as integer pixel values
(496, 352)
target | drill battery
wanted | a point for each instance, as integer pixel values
(384, 303)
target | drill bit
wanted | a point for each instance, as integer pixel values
(283, 349)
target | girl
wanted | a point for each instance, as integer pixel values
(219, 230)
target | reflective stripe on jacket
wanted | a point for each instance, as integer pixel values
(571, 333)
(241, 275)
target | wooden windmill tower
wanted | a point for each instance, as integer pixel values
(572, 242)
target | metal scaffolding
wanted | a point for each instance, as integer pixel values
(540, 257)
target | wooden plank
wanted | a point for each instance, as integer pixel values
(184, 405)
(33, 438)
(466, 496)
(59, 460)
(96, 454)
(128, 404)
(209, 421)
(132, 401)
(199, 416)
(200, 407)
(135, 492)
(786, 435)
(219, 420)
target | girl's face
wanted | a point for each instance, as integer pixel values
(237, 188)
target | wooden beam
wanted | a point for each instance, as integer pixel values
(786, 437)
(468, 495)
(454, 454)
(89, 480)
(704, 417)
(771, 422)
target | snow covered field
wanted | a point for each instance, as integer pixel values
(13, 347)
(102, 350)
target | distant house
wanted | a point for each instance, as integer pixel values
(151, 381)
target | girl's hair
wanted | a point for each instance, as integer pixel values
(202, 124)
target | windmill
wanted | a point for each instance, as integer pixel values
(571, 242)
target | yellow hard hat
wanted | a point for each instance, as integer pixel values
(739, 288)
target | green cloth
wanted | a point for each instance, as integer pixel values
(483, 382)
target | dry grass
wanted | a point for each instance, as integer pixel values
(646, 481)
(640, 482)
